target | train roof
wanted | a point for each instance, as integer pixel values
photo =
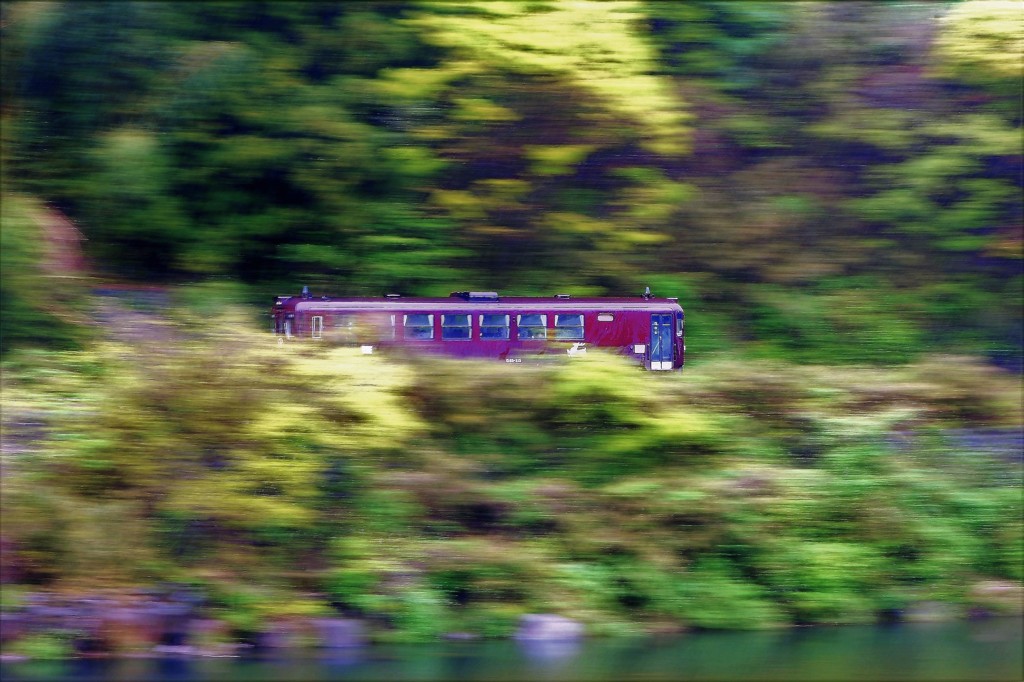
(475, 301)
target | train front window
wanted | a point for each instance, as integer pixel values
(494, 327)
(569, 327)
(533, 326)
(419, 326)
(456, 327)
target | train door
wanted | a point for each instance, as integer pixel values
(662, 328)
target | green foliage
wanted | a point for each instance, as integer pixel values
(247, 608)
(350, 587)
(829, 189)
(417, 614)
(12, 597)
(977, 43)
(847, 324)
(755, 157)
(443, 496)
(713, 596)
(136, 170)
(45, 646)
(591, 44)
(717, 41)
(33, 310)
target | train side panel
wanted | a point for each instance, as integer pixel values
(651, 332)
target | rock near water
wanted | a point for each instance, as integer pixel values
(548, 627)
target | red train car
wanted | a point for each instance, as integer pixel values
(475, 324)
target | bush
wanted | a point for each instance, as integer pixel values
(432, 496)
(45, 645)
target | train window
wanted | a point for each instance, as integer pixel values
(494, 327)
(345, 327)
(419, 326)
(569, 327)
(533, 326)
(605, 317)
(456, 327)
(679, 326)
(317, 326)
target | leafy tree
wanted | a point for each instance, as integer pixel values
(37, 307)
(423, 147)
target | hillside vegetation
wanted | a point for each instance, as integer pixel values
(832, 190)
(431, 497)
(824, 182)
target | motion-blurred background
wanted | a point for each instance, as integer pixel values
(832, 189)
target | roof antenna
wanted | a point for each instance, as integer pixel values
(647, 293)
(305, 292)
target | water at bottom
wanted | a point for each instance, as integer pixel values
(956, 651)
